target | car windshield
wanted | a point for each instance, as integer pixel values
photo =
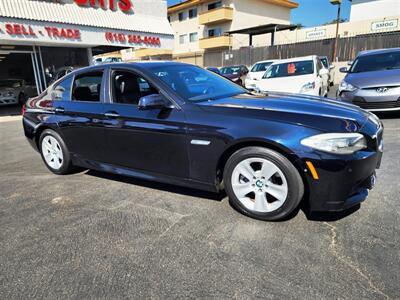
(261, 67)
(325, 62)
(230, 70)
(376, 62)
(9, 83)
(195, 84)
(295, 68)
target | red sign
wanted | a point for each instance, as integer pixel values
(124, 5)
(72, 34)
(19, 29)
(132, 39)
(52, 32)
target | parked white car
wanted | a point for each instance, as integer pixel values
(15, 91)
(301, 75)
(256, 73)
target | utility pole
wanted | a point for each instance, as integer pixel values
(338, 3)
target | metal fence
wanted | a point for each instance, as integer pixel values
(347, 49)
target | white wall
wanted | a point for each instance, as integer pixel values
(251, 13)
(372, 9)
(247, 13)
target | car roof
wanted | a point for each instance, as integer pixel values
(233, 66)
(377, 51)
(265, 61)
(141, 64)
(294, 59)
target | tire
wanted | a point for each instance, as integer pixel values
(285, 183)
(54, 153)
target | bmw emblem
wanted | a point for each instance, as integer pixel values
(259, 183)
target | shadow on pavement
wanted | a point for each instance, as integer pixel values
(330, 216)
(311, 216)
(159, 186)
(14, 110)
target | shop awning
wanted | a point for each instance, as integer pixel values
(146, 16)
(263, 29)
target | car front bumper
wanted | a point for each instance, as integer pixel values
(342, 184)
(250, 84)
(371, 100)
(344, 180)
(8, 100)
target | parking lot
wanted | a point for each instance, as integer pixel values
(95, 235)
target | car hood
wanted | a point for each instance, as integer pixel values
(374, 79)
(291, 84)
(320, 113)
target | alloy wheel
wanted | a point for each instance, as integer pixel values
(259, 184)
(52, 152)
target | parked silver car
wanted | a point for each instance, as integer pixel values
(15, 91)
(373, 80)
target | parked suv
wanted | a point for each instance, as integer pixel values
(373, 80)
(301, 75)
(256, 73)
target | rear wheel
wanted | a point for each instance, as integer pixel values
(54, 153)
(262, 183)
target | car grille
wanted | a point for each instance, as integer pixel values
(360, 101)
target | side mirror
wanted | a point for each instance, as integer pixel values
(343, 70)
(154, 101)
(323, 72)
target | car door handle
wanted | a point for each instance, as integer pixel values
(59, 110)
(111, 115)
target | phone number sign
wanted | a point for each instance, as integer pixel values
(123, 38)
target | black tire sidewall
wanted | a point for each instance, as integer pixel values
(293, 178)
(66, 164)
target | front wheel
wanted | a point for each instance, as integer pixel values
(55, 153)
(262, 183)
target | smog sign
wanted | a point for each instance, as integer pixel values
(316, 34)
(386, 24)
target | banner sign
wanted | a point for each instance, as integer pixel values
(386, 24)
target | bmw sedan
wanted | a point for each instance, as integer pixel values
(180, 124)
(373, 80)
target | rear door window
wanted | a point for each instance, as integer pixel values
(62, 90)
(87, 87)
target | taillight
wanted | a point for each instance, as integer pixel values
(23, 110)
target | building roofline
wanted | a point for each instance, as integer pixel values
(190, 3)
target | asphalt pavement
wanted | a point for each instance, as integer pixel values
(95, 235)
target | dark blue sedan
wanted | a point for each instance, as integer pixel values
(180, 124)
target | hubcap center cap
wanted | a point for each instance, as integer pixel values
(259, 183)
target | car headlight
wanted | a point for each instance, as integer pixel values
(345, 86)
(307, 87)
(336, 143)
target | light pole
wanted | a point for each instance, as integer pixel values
(338, 3)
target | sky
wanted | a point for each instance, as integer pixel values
(311, 12)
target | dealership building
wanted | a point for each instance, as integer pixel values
(40, 37)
